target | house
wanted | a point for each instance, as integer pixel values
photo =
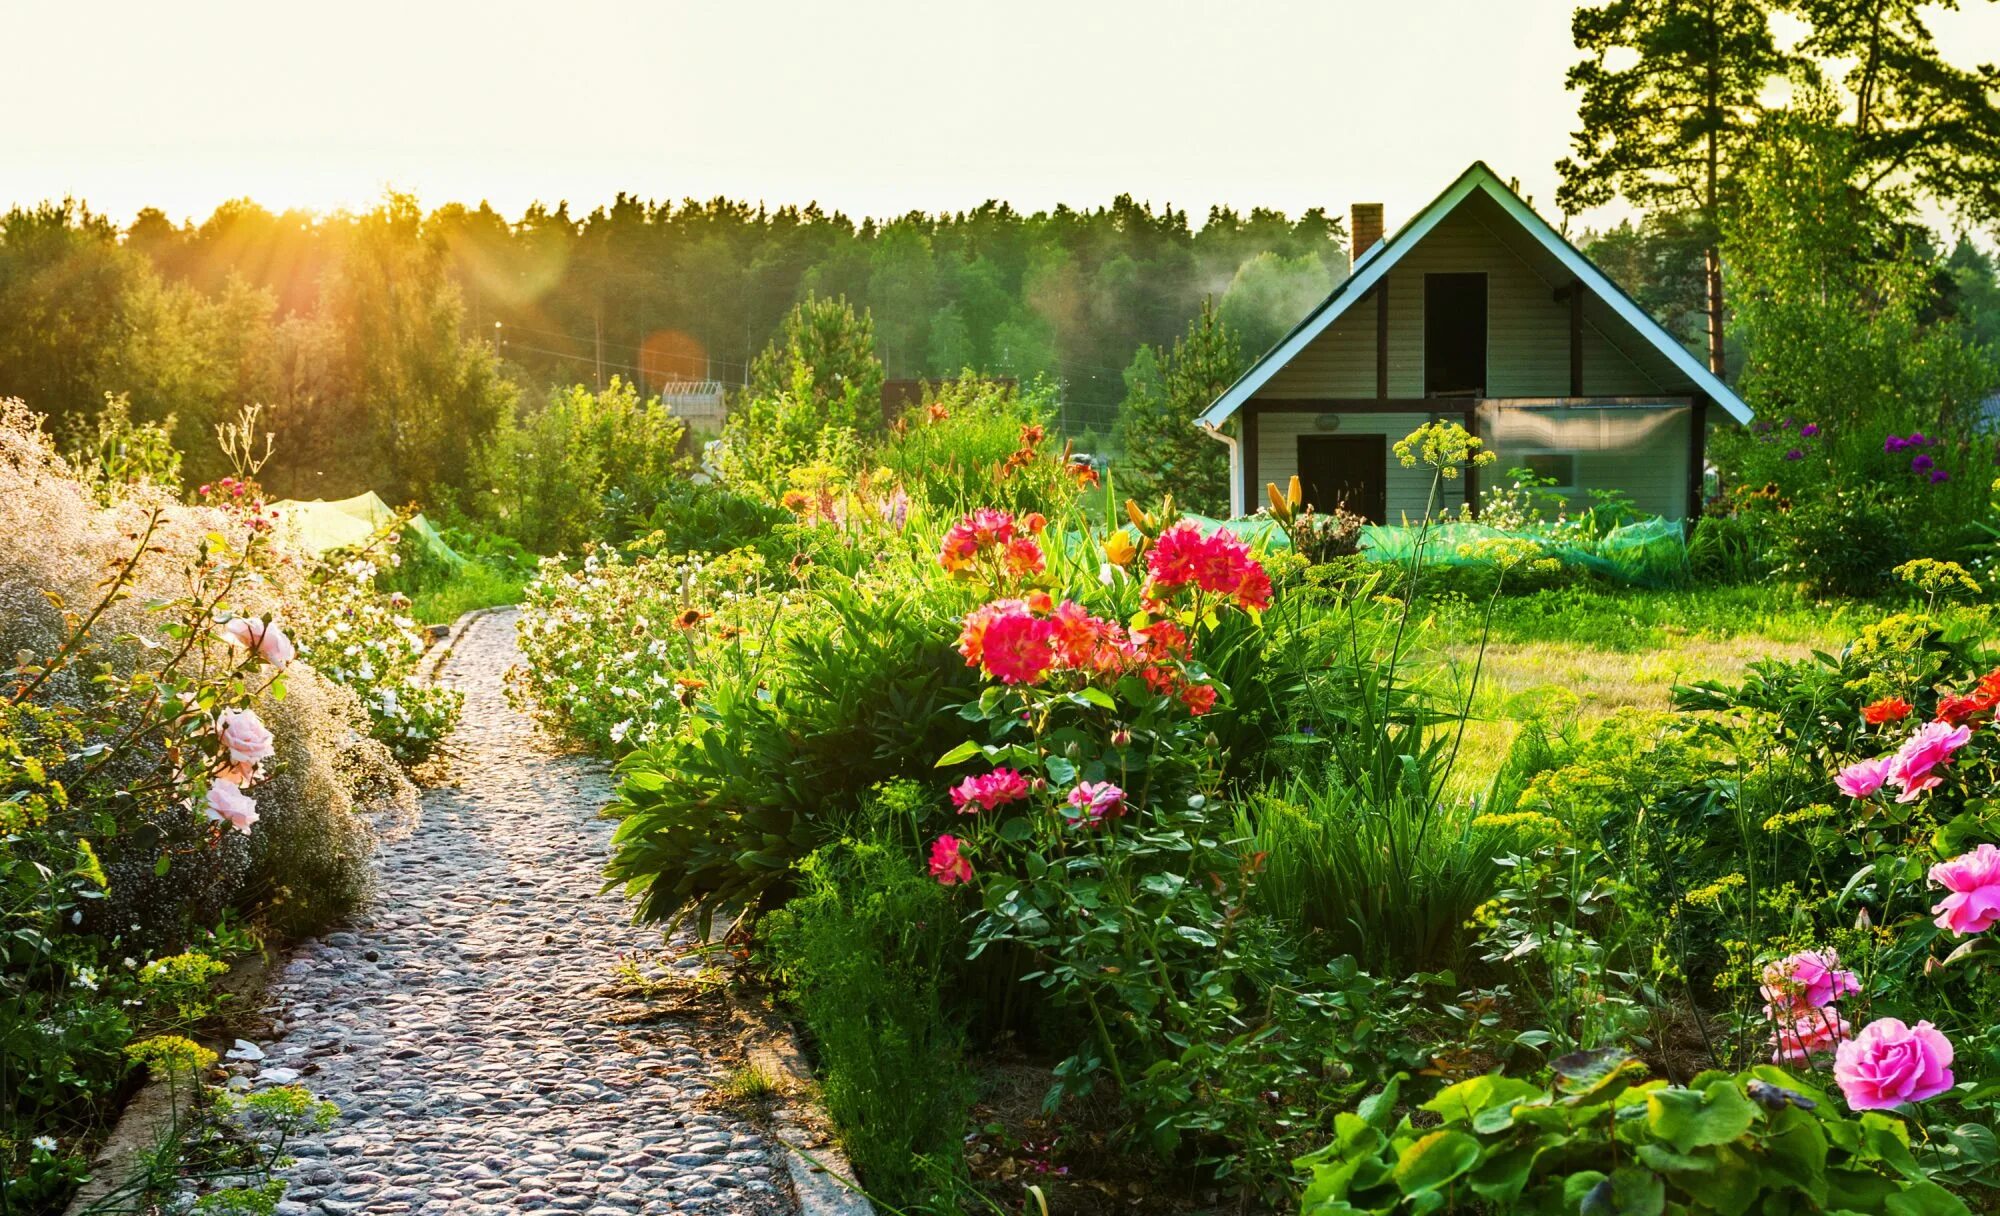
(1478, 312)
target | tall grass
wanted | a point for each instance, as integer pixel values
(1391, 882)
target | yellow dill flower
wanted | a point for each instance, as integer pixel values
(1711, 895)
(170, 1055)
(1805, 814)
(1523, 820)
(1933, 577)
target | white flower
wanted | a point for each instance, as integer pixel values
(46, 1144)
(618, 731)
(86, 978)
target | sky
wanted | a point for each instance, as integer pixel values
(873, 107)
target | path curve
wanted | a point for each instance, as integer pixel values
(463, 1024)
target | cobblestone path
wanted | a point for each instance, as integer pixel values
(463, 1024)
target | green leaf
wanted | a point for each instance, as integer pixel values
(1461, 1102)
(1925, 1199)
(958, 755)
(1093, 695)
(1587, 1077)
(1631, 1190)
(1435, 1160)
(1376, 1110)
(161, 864)
(1687, 1118)
(1060, 770)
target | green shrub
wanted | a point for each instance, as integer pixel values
(1599, 1142)
(578, 467)
(865, 952)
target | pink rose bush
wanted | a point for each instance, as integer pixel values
(1912, 768)
(1889, 1063)
(1799, 991)
(1974, 882)
(262, 638)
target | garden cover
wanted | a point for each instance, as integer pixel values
(315, 526)
(1645, 553)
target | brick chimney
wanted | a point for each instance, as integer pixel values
(1365, 223)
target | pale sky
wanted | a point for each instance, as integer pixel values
(870, 107)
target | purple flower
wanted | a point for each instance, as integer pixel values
(1917, 439)
(1894, 444)
(1809, 430)
(1921, 463)
(1940, 476)
(1795, 454)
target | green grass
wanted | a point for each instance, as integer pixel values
(474, 585)
(1579, 654)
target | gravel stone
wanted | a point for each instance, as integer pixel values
(463, 1024)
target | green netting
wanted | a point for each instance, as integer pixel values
(1645, 553)
(313, 527)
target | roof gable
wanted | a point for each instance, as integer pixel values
(1376, 262)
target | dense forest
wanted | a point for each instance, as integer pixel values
(386, 342)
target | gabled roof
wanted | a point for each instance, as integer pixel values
(1377, 260)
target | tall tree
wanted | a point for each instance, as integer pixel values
(1165, 391)
(1916, 119)
(1668, 95)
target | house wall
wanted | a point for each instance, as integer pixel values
(1408, 489)
(1527, 330)
(1643, 452)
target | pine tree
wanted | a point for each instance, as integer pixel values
(824, 358)
(1668, 130)
(1164, 392)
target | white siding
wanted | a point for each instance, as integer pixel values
(1643, 452)
(1527, 339)
(1408, 489)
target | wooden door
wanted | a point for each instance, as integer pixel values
(1346, 470)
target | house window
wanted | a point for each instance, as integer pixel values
(1558, 469)
(1454, 335)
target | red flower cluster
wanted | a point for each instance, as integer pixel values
(1958, 709)
(1888, 709)
(1018, 641)
(1219, 563)
(989, 531)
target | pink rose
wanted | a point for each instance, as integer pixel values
(1810, 978)
(244, 736)
(264, 637)
(226, 804)
(1974, 882)
(989, 791)
(1889, 1063)
(948, 864)
(1797, 1033)
(1095, 802)
(1863, 777)
(1910, 769)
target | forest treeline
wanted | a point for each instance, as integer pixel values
(386, 343)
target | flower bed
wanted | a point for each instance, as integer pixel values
(1174, 821)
